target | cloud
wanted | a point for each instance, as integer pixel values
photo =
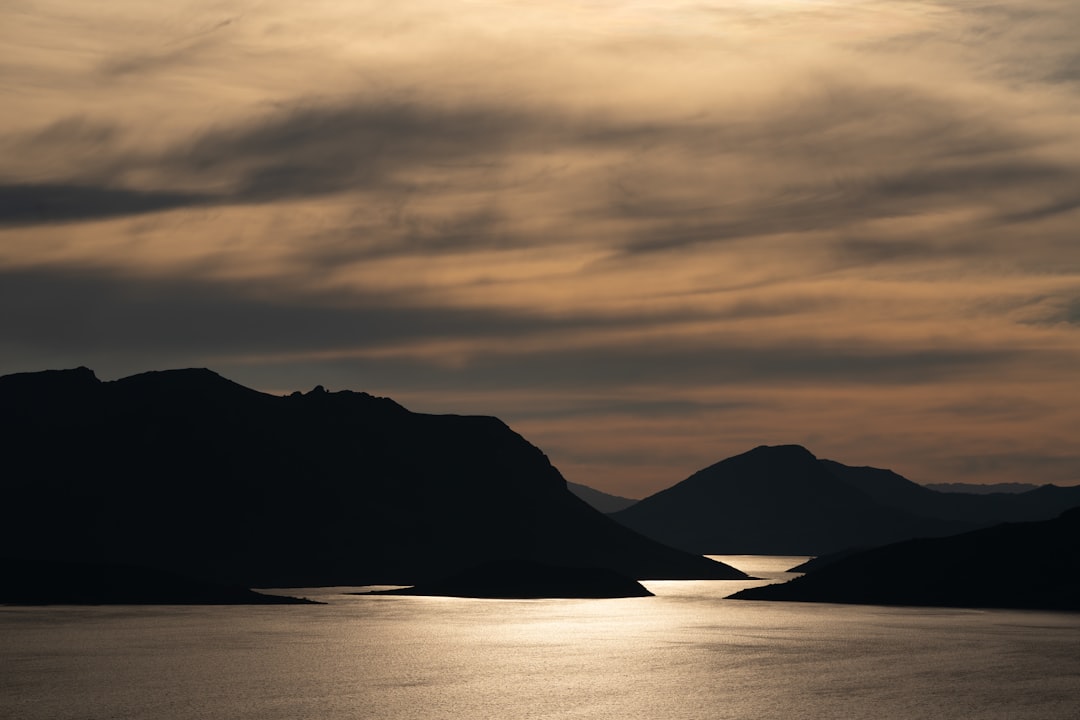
(174, 53)
(408, 231)
(65, 310)
(398, 341)
(305, 152)
(780, 362)
(48, 203)
(293, 154)
(875, 251)
(320, 149)
(844, 155)
(1062, 468)
(997, 407)
(1067, 71)
(72, 132)
(837, 158)
(1070, 313)
(1054, 208)
(607, 407)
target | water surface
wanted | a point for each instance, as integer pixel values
(687, 653)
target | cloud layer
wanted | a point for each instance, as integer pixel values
(647, 237)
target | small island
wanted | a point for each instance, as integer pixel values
(519, 580)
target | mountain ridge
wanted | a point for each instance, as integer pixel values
(189, 472)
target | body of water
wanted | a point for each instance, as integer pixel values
(686, 653)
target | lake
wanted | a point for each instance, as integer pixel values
(686, 653)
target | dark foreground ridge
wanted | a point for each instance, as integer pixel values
(1033, 565)
(188, 472)
(528, 580)
(60, 583)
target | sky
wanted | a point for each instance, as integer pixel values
(647, 235)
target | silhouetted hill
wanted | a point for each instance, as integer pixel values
(782, 500)
(777, 500)
(1033, 565)
(24, 582)
(187, 471)
(528, 580)
(602, 501)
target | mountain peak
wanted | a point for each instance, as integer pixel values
(792, 451)
(80, 376)
(189, 375)
(36, 393)
(184, 383)
(320, 397)
(774, 499)
(770, 459)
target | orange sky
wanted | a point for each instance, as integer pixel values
(647, 235)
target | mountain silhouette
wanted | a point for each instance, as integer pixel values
(528, 580)
(188, 472)
(1032, 565)
(782, 500)
(602, 501)
(773, 500)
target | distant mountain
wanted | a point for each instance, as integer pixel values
(602, 501)
(782, 500)
(188, 472)
(528, 580)
(772, 500)
(1033, 565)
(24, 582)
(976, 489)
